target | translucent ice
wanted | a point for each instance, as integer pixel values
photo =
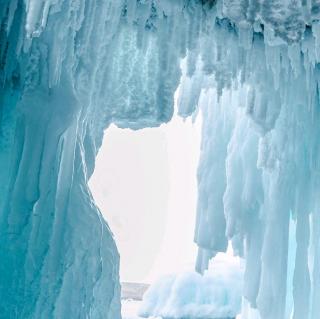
(70, 68)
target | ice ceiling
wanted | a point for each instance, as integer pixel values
(69, 68)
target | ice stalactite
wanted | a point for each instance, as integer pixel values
(268, 171)
(70, 68)
(259, 166)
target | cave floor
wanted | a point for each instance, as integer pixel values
(130, 309)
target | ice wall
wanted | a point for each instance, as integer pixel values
(260, 162)
(68, 68)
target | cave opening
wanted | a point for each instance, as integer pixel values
(145, 185)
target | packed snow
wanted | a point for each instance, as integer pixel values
(130, 310)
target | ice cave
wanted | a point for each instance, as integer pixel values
(70, 69)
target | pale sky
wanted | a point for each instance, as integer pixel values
(145, 185)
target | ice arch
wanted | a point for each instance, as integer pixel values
(69, 68)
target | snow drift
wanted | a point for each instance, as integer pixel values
(216, 294)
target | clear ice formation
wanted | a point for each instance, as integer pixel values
(69, 68)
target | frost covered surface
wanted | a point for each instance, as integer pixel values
(216, 294)
(70, 68)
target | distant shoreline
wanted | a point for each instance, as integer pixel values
(134, 291)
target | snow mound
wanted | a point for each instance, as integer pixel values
(216, 294)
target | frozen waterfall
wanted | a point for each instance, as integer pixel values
(70, 68)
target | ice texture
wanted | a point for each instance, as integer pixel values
(69, 68)
(216, 294)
